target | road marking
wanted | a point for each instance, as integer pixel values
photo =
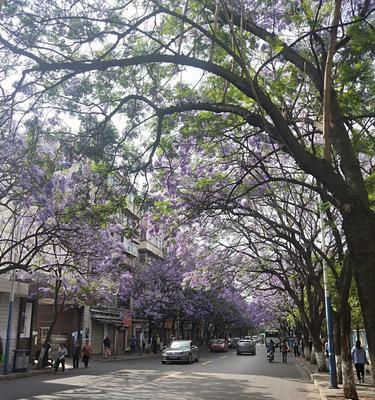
(207, 362)
(163, 378)
(224, 356)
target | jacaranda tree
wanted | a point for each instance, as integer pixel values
(300, 73)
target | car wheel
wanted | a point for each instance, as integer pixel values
(163, 362)
(238, 353)
(212, 351)
(197, 358)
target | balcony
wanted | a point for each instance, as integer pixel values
(130, 247)
(152, 244)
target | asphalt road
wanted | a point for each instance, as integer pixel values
(216, 376)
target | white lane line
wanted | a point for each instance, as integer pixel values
(224, 356)
(207, 362)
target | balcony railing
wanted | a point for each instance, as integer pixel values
(153, 239)
(130, 247)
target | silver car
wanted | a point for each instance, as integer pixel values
(246, 347)
(180, 351)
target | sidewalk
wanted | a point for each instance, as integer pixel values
(95, 358)
(365, 390)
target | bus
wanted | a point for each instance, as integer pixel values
(271, 334)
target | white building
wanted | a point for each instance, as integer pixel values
(20, 333)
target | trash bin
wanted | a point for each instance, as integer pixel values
(21, 360)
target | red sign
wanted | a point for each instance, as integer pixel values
(168, 324)
(127, 321)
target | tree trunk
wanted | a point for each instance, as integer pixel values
(349, 386)
(56, 311)
(313, 359)
(307, 353)
(359, 225)
(337, 339)
(320, 356)
(321, 361)
(47, 341)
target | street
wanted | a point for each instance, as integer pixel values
(216, 376)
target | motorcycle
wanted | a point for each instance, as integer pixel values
(270, 356)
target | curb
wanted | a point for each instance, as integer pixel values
(327, 393)
(15, 375)
(319, 388)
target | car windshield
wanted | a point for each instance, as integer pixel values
(219, 341)
(180, 345)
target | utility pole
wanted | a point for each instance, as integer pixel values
(328, 309)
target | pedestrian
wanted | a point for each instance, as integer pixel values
(284, 351)
(359, 359)
(302, 346)
(158, 343)
(143, 345)
(133, 344)
(86, 352)
(296, 347)
(62, 352)
(76, 352)
(154, 345)
(107, 347)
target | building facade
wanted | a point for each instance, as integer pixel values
(20, 333)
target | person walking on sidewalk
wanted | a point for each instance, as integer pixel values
(143, 345)
(62, 352)
(107, 347)
(133, 344)
(86, 353)
(154, 345)
(302, 346)
(76, 352)
(284, 351)
(158, 343)
(359, 359)
(296, 347)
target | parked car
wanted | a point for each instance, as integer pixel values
(180, 351)
(246, 347)
(219, 345)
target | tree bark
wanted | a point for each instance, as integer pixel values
(56, 312)
(337, 336)
(349, 387)
(360, 232)
(321, 361)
